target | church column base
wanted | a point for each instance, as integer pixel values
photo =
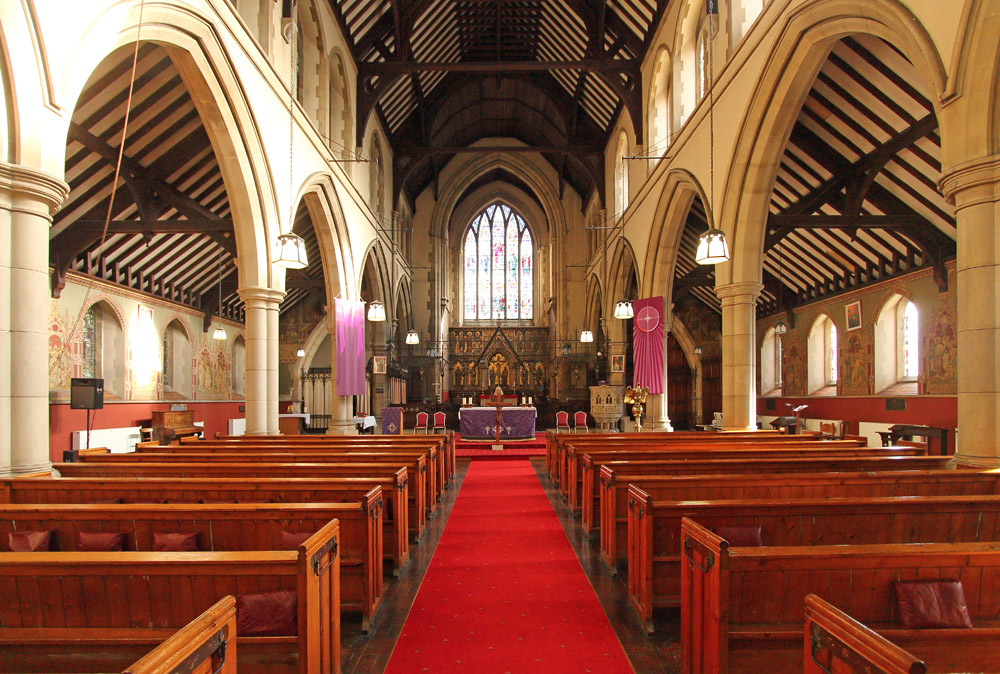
(342, 428)
(16, 471)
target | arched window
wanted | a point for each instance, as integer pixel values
(702, 63)
(176, 361)
(897, 335)
(822, 348)
(744, 14)
(499, 258)
(770, 364)
(621, 175)
(239, 366)
(377, 179)
(103, 351)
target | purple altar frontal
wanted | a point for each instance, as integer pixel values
(479, 423)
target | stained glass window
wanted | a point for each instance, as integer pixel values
(498, 254)
(89, 344)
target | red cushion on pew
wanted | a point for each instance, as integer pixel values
(30, 541)
(107, 500)
(101, 541)
(267, 614)
(291, 540)
(932, 604)
(741, 537)
(163, 542)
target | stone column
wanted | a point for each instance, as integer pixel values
(341, 410)
(256, 300)
(27, 200)
(974, 187)
(739, 363)
(272, 305)
(659, 404)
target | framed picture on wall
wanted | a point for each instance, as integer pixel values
(378, 364)
(853, 312)
(617, 362)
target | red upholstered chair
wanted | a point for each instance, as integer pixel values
(421, 423)
(439, 419)
(580, 421)
(562, 421)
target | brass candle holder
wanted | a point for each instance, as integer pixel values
(636, 397)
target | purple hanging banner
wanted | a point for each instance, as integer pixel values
(350, 319)
(647, 343)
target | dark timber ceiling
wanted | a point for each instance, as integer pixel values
(170, 231)
(549, 74)
(855, 200)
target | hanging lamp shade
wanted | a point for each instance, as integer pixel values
(586, 336)
(412, 337)
(712, 247)
(623, 310)
(301, 353)
(219, 334)
(780, 328)
(697, 350)
(290, 251)
(376, 311)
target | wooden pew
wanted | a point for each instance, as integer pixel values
(417, 512)
(444, 442)
(395, 539)
(435, 452)
(599, 502)
(206, 645)
(577, 460)
(654, 545)
(227, 527)
(835, 642)
(67, 600)
(741, 608)
(413, 461)
(614, 509)
(555, 443)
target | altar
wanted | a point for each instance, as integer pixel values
(479, 423)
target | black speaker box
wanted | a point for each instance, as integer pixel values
(86, 394)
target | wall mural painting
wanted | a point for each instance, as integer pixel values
(855, 355)
(941, 347)
(60, 358)
(295, 328)
(793, 371)
(212, 369)
(704, 326)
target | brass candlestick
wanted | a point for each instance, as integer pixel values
(636, 397)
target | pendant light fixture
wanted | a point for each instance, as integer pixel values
(290, 248)
(220, 333)
(586, 336)
(301, 353)
(412, 337)
(376, 311)
(697, 350)
(623, 310)
(712, 245)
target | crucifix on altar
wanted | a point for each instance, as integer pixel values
(498, 401)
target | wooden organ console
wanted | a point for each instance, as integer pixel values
(170, 426)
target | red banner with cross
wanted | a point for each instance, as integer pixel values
(647, 343)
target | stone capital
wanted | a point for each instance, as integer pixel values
(973, 182)
(255, 297)
(275, 297)
(23, 186)
(737, 293)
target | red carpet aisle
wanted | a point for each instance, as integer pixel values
(505, 593)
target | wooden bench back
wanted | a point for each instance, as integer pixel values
(728, 590)
(252, 470)
(225, 527)
(81, 594)
(228, 489)
(206, 645)
(804, 485)
(836, 642)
